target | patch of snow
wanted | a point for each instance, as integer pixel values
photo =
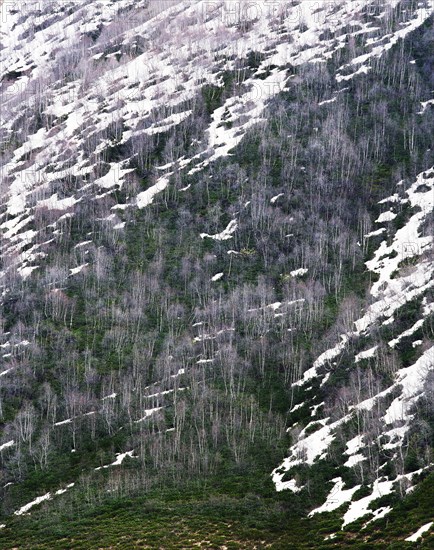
(375, 233)
(325, 379)
(114, 177)
(396, 436)
(360, 508)
(366, 354)
(283, 485)
(315, 408)
(386, 217)
(428, 308)
(7, 370)
(425, 104)
(298, 272)
(225, 235)
(337, 496)
(407, 243)
(378, 514)
(76, 270)
(354, 459)
(30, 505)
(324, 358)
(412, 380)
(63, 491)
(361, 70)
(111, 396)
(327, 101)
(26, 271)
(179, 373)
(54, 203)
(392, 198)
(120, 207)
(354, 445)
(310, 448)
(147, 197)
(7, 445)
(120, 457)
(84, 243)
(407, 332)
(274, 199)
(62, 422)
(149, 412)
(418, 534)
(165, 392)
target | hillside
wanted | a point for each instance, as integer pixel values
(217, 306)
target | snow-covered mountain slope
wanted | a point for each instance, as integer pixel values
(405, 272)
(183, 184)
(75, 83)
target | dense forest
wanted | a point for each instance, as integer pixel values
(217, 308)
